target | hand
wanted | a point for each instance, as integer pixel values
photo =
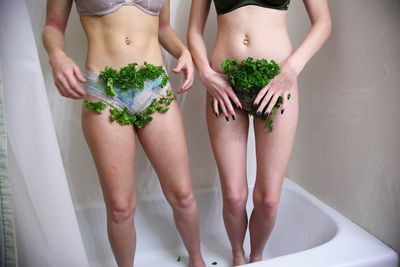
(185, 64)
(66, 76)
(278, 86)
(222, 93)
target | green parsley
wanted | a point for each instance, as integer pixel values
(138, 120)
(98, 106)
(250, 76)
(131, 76)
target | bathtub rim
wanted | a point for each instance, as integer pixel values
(366, 241)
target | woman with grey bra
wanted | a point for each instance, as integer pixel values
(127, 94)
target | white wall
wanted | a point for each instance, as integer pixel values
(347, 149)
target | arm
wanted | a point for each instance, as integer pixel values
(65, 72)
(318, 12)
(169, 39)
(215, 82)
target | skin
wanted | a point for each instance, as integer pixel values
(240, 36)
(111, 142)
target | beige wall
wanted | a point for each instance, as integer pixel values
(347, 150)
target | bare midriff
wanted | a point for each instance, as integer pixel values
(125, 36)
(251, 31)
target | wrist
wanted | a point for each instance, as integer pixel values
(205, 72)
(55, 54)
(295, 66)
(185, 52)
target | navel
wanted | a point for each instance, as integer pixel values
(127, 41)
(246, 40)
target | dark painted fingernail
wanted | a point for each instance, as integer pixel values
(233, 117)
(266, 114)
(258, 113)
(216, 114)
(282, 111)
(255, 105)
(227, 118)
(239, 107)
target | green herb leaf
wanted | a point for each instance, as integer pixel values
(251, 76)
(96, 106)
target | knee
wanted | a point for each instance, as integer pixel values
(120, 211)
(266, 204)
(181, 200)
(235, 202)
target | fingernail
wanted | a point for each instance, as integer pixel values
(258, 113)
(282, 111)
(216, 114)
(227, 118)
(255, 105)
(266, 114)
(233, 117)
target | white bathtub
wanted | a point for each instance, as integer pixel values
(307, 233)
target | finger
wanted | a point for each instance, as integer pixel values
(234, 98)
(61, 80)
(272, 104)
(264, 102)
(60, 88)
(229, 107)
(223, 108)
(187, 83)
(69, 92)
(78, 74)
(284, 103)
(261, 94)
(74, 84)
(72, 94)
(178, 67)
(215, 106)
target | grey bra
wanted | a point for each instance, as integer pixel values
(104, 7)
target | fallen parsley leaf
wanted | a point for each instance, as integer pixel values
(179, 258)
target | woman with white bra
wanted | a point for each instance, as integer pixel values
(127, 94)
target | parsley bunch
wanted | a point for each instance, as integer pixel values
(131, 77)
(138, 120)
(250, 76)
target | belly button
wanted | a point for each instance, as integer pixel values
(127, 41)
(246, 40)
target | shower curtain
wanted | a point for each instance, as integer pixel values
(46, 225)
(7, 226)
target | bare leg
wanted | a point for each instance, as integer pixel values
(163, 140)
(273, 150)
(229, 143)
(113, 150)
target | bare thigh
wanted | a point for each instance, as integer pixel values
(229, 144)
(164, 141)
(113, 149)
(273, 149)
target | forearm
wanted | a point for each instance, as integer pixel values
(198, 50)
(171, 42)
(319, 33)
(53, 41)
